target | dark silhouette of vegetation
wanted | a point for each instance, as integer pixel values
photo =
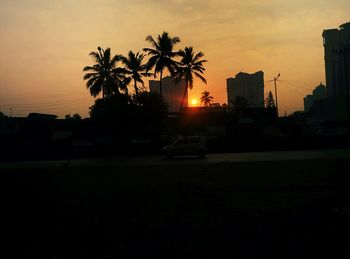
(75, 116)
(269, 101)
(116, 108)
(151, 112)
(135, 68)
(161, 57)
(143, 114)
(206, 99)
(214, 105)
(143, 111)
(104, 76)
(189, 65)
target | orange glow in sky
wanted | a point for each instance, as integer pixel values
(45, 45)
(194, 102)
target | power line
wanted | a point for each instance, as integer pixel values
(294, 85)
(301, 81)
(47, 105)
(293, 90)
(41, 107)
(36, 96)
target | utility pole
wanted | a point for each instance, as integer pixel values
(275, 80)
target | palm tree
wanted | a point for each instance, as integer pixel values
(206, 99)
(104, 76)
(135, 68)
(190, 65)
(161, 55)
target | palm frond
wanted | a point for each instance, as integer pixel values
(175, 40)
(96, 87)
(114, 60)
(200, 63)
(150, 39)
(90, 75)
(91, 81)
(96, 57)
(200, 77)
(198, 68)
(198, 56)
(151, 63)
(159, 66)
(151, 51)
(88, 68)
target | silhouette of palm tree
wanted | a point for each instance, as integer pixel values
(189, 65)
(161, 55)
(206, 99)
(135, 68)
(104, 76)
(123, 84)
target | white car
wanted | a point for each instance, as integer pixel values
(192, 145)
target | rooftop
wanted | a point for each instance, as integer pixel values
(345, 26)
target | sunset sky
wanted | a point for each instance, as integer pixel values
(44, 45)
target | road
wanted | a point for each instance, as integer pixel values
(331, 154)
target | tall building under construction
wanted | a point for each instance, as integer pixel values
(334, 108)
(248, 86)
(172, 93)
(336, 44)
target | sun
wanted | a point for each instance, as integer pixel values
(194, 102)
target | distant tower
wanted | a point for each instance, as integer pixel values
(248, 86)
(172, 93)
(335, 41)
(318, 93)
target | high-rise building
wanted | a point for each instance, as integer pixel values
(248, 86)
(336, 44)
(172, 93)
(318, 93)
(332, 108)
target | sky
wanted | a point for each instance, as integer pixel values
(44, 45)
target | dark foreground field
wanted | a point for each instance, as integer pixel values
(276, 209)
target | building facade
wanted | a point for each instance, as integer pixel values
(172, 93)
(248, 86)
(318, 93)
(336, 44)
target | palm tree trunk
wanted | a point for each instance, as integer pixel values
(160, 83)
(136, 90)
(184, 96)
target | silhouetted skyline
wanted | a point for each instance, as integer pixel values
(45, 44)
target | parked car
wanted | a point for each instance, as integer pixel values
(191, 145)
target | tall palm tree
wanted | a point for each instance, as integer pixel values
(162, 55)
(206, 99)
(135, 68)
(189, 65)
(104, 76)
